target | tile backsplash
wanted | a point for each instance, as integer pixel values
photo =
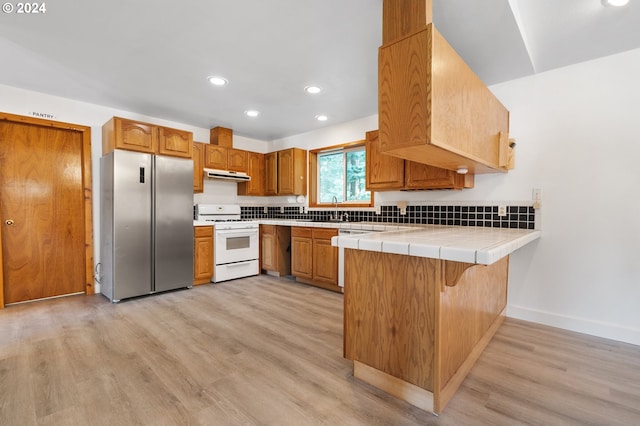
(483, 215)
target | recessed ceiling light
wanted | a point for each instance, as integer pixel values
(322, 117)
(217, 81)
(615, 2)
(252, 113)
(313, 90)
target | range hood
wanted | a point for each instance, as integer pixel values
(432, 108)
(226, 175)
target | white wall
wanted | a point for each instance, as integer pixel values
(24, 102)
(577, 138)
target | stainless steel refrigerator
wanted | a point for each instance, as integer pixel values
(146, 224)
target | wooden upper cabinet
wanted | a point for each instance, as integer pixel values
(174, 142)
(198, 164)
(385, 172)
(255, 169)
(271, 173)
(221, 136)
(236, 160)
(292, 172)
(445, 119)
(421, 176)
(222, 158)
(215, 157)
(122, 133)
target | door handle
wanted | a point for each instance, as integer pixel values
(9, 222)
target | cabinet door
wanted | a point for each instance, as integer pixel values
(255, 169)
(325, 256)
(271, 173)
(174, 142)
(215, 157)
(269, 244)
(203, 254)
(384, 172)
(421, 176)
(135, 136)
(237, 160)
(301, 257)
(285, 172)
(198, 161)
(292, 172)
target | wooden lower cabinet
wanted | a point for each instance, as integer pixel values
(203, 254)
(275, 248)
(434, 316)
(301, 253)
(313, 260)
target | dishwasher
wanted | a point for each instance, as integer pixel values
(347, 232)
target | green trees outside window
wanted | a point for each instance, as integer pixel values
(341, 174)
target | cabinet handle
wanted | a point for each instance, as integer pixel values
(9, 222)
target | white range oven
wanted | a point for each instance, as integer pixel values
(235, 241)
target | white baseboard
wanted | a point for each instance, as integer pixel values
(581, 325)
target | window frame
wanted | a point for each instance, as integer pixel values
(313, 176)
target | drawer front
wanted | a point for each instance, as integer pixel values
(203, 231)
(268, 229)
(297, 231)
(235, 270)
(324, 234)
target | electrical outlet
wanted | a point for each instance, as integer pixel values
(378, 211)
(402, 205)
(281, 209)
(537, 198)
(301, 209)
(265, 210)
(502, 211)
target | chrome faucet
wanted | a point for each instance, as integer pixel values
(334, 200)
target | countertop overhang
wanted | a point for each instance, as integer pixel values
(458, 243)
(467, 244)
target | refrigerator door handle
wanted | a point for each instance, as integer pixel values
(141, 174)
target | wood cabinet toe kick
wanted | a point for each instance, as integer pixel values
(414, 326)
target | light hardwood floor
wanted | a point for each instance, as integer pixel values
(265, 350)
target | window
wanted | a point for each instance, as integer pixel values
(341, 176)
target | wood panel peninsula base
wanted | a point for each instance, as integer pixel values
(414, 326)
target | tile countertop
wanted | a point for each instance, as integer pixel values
(459, 243)
(369, 226)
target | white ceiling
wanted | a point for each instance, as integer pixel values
(153, 56)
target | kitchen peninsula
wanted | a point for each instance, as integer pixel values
(420, 305)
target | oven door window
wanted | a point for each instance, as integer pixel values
(235, 246)
(238, 243)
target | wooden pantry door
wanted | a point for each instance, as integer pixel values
(45, 209)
